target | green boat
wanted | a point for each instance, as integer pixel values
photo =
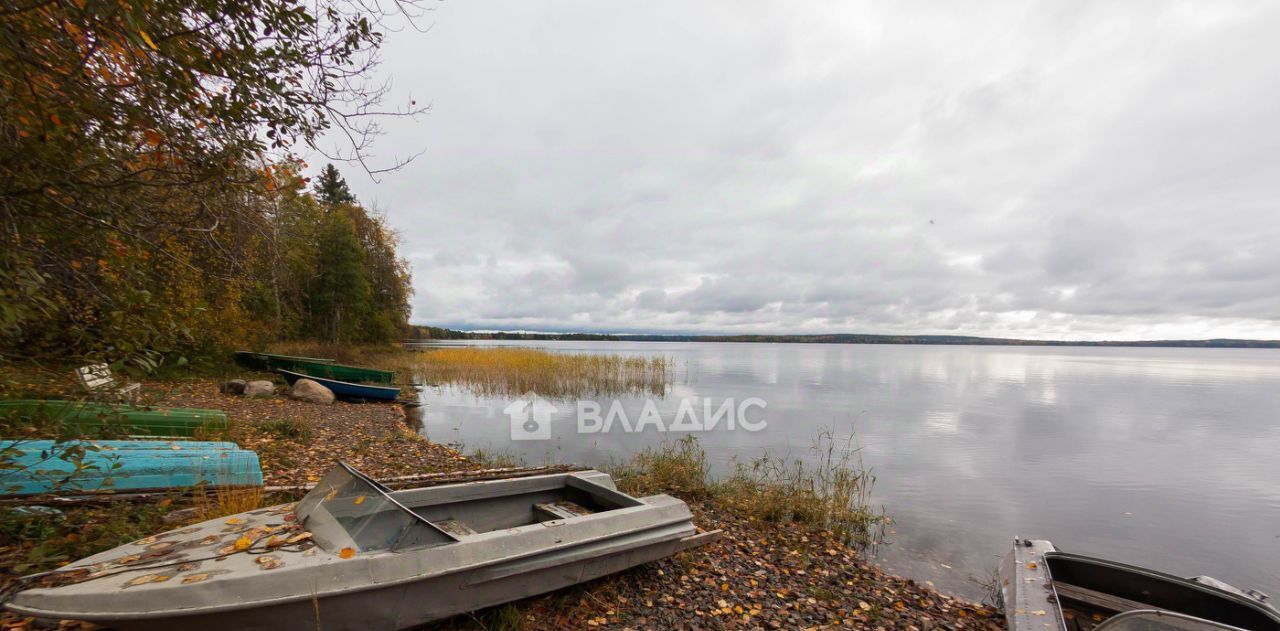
(87, 417)
(343, 373)
(269, 362)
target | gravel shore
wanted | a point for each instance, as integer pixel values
(759, 575)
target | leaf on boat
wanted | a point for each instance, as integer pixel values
(235, 521)
(358, 500)
(1031, 565)
(242, 543)
(269, 562)
(145, 542)
(346, 553)
(274, 542)
(210, 540)
(127, 559)
(195, 578)
(148, 578)
(302, 536)
(188, 566)
(160, 545)
(227, 549)
(331, 494)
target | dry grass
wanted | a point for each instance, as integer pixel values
(503, 371)
(678, 467)
(833, 493)
(222, 501)
(507, 371)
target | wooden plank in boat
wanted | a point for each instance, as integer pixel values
(455, 528)
(1097, 599)
(563, 509)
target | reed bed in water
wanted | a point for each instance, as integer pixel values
(515, 371)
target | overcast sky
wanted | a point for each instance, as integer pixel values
(1067, 170)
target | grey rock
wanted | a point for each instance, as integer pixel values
(311, 392)
(235, 386)
(260, 389)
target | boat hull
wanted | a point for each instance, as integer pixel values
(85, 417)
(272, 361)
(346, 390)
(409, 605)
(124, 465)
(1039, 584)
(507, 540)
(342, 372)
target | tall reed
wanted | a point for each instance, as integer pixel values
(514, 371)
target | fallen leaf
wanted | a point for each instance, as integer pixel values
(269, 562)
(243, 543)
(148, 578)
(195, 578)
(346, 553)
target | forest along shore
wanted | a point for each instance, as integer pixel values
(760, 575)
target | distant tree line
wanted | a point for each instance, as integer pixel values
(430, 332)
(151, 205)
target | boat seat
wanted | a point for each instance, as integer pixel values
(455, 528)
(562, 509)
(1100, 600)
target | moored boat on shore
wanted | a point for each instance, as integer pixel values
(271, 361)
(354, 555)
(126, 418)
(342, 372)
(80, 467)
(1044, 589)
(344, 389)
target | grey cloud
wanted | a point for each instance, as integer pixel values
(1064, 169)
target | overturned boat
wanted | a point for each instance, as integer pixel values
(353, 554)
(1044, 589)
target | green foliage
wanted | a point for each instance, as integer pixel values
(145, 171)
(35, 541)
(331, 188)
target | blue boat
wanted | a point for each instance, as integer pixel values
(346, 389)
(46, 466)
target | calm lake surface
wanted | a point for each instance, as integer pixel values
(1167, 458)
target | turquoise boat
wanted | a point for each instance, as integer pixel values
(34, 467)
(87, 417)
(346, 390)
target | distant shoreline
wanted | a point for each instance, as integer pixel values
(427, 333)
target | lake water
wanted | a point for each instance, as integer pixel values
(1167, 458)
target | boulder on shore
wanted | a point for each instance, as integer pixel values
(259, 389)
(235, 386)
(311, 392)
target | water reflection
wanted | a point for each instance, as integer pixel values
(1161, 457)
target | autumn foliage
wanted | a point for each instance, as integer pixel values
(152, 208)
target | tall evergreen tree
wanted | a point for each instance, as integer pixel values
(340, 295)
(331, 188)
